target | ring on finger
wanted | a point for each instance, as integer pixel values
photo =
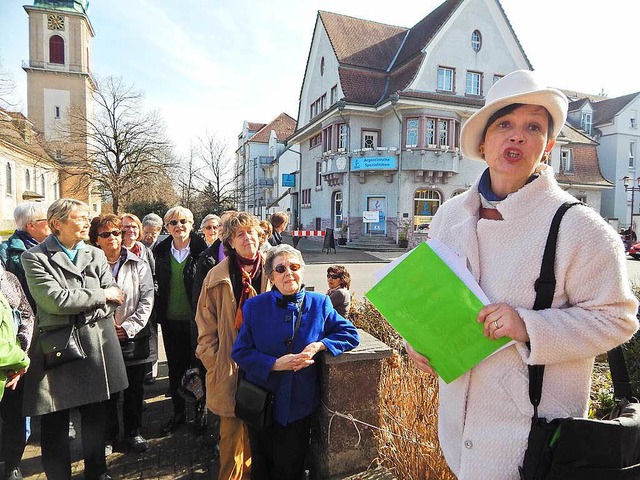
(496, 324)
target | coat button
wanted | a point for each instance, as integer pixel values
(468, 444)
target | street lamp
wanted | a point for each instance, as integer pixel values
(633, 189)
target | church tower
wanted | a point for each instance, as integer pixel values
(59, 81)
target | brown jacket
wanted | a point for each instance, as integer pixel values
(215, 318)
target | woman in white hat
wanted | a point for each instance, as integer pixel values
(501, 225)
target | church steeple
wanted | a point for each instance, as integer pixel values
(80, 6)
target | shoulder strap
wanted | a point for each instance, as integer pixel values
(545, 287)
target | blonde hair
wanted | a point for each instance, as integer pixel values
(178, 212)
(61, 209)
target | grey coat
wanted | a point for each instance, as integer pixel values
(64, 293)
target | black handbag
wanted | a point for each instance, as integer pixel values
(137, 348)
(60, 346)
(191, 387)
(580, 448)
(254, 404)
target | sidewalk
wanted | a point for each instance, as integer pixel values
(181, 455)
(311, 248)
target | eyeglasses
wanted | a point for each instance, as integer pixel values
(333, 276)
(182, 221)
(294, 267)
(39, 220)
(211, 227)
(115, 233)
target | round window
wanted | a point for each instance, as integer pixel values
(476, 41)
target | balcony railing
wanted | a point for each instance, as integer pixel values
(438, 160)
(265, 160)
(265, 182)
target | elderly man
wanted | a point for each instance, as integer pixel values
(32, 228)
(151, 228)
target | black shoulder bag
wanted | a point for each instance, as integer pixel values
(254, 404)
(579, 448)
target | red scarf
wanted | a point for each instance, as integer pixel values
(247, 288)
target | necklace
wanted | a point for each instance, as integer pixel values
(114, 262)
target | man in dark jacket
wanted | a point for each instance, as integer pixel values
(176, 258)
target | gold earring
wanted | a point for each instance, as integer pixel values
(481, 149)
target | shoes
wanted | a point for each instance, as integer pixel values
(138, 444)
(108, 449)
(72, 431)
(173, 424)
(13, 474)
(105, 476)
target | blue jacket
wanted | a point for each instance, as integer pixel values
(268, 323)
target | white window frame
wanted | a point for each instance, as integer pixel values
(586, 122)
(342, 136)
(476, 41)
(566, 160)
(474, 84)
(446, 79)
(415, 129)
(632, 154)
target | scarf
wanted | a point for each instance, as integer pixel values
(27, 239)
(247, 288)
(135, 248)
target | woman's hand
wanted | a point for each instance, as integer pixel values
(419, 361)
(502, 320)
(293, 361)
(121, 333)
(313, 348)
(14, 377)
(114, 294)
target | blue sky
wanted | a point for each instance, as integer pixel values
(209, 65)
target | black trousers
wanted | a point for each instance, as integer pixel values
(13, 426)
(279, 453)
(131, 406)
(56, 452)
(177, 344)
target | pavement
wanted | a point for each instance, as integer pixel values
(311, 249)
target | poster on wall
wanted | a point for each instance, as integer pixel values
(370, 216)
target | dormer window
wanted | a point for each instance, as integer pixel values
(585, 123)
(476, 41)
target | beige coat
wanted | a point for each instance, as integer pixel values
(215, 318)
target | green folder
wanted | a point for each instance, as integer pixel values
(433, 310)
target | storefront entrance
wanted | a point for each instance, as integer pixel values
(379, 204)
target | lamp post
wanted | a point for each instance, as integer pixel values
(628, 186)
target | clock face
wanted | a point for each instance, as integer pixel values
(55, 22)
(341, 163)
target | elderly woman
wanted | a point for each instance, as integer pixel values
(133, 276)
(282, 331)
(175, 268)
(151, 229)
(219, 316)
(209, 227)
(72, 284)
(339, 282)
(500, 226)
(132, 236)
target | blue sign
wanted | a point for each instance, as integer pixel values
(288, 180)
(373, 163)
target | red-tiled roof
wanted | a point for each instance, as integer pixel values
(255, 126)
(604, 111)
(423, 31)
(11, 135)
(586, 167)
(362, 43)
(283, 125)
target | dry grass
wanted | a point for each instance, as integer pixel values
(408, 440)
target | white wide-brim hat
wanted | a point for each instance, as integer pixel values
(520, 86)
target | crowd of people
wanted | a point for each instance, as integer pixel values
(81, 298)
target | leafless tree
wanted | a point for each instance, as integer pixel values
(121, 148)
(7, 88)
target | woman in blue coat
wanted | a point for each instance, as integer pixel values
(276, 356)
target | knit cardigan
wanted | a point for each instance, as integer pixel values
(485, 414)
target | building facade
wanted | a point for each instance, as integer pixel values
(59, 81)
(380, 113)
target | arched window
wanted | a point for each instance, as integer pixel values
(425, 205)
(27, 179)
(9, 179)
(56, 49)
(476, 41)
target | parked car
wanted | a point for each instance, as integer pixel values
(634, 251)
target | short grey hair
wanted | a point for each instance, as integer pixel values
(29, 212)
(211, 216)
(152, 220)
(62, 208)
(178, 211)
(280, 250)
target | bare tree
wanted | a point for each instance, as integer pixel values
(119, 147)
(7, 88)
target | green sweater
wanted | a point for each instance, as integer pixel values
(178, 308)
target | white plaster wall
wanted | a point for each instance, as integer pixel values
(452, 48)
(47, 34)
(315, 84)
(55, 98)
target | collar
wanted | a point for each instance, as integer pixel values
(288, 301)
(71, 253)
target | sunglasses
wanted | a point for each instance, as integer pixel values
(115, 233)
(333, 276)
(182, 221)
(294, 267)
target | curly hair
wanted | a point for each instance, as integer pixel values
(345, 278)
(233, 223)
